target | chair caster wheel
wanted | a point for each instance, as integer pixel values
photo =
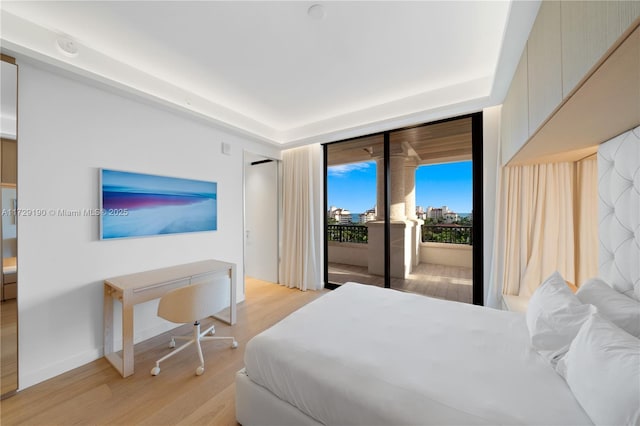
(172, 344)
(155, 371)
(199, 371)
(234, 344)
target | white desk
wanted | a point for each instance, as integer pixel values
(144, 286)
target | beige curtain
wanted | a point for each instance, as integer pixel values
(301, 263)
(546, 221)
(536, 232)
(497, 273)
(587, 219)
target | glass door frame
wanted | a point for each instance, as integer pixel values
(477, 204)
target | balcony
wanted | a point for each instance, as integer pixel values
(443, 233)
(347, 233)
(443, 269)
(448, 234)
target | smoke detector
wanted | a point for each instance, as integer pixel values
(67, 46)
(316, 11)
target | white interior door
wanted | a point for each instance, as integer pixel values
(261, 218)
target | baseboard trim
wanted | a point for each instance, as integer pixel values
(28, 379)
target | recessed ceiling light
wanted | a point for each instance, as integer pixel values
(67, 46)
(316, 11)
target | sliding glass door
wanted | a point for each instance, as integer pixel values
(431, 203)
(355, 211)
(403, 208)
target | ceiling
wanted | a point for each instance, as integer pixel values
(434, 143)
(278, 73)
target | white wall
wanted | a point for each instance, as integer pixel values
(68, 130)
(447, 254)
(348, 253)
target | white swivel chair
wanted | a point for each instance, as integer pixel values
(185, 305)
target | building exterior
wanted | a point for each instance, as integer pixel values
(341, 216)
(450, 217)
(436, 213)
(443, 213)
(368, 216)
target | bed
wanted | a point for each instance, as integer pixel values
(363, 355)
(367, 366)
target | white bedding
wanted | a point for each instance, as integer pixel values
(363, 355)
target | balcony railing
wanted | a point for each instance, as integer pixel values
(461, 234)
(347, 233)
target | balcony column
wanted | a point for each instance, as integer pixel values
(410, 167)
(380, 207)
(397, 189)
(415, 225)
(402, 259)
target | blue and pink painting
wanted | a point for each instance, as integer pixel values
(136, 205)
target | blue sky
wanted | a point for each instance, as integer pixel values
(139, 182)
(353, 186)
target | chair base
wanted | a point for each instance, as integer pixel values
(196, 338)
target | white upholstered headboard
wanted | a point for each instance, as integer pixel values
(619, 212)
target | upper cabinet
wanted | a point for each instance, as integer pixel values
(544, 64)
(580, 56)
(515, 115)
(589, 28)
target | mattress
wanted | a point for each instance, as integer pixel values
(363, 355)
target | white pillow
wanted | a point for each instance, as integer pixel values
(554, 316)
(621, 310)
(602, 368)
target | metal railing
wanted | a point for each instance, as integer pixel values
(347, 233)
(461, 234)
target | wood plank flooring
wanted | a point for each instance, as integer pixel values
(95, 394)
(8, 346)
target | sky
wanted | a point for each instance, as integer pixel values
(353, 186)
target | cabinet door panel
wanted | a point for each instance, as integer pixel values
(515, 115)
(589, 28)
(544, 66)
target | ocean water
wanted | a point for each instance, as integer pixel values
(163, 219)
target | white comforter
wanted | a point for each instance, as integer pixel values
(363, 355)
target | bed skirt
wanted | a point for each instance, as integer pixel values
(255, 405)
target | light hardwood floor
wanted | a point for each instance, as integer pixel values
(8, 346)
(95, 394)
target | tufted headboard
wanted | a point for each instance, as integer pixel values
(619, 212)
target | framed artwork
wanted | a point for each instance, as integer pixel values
(136, 205)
